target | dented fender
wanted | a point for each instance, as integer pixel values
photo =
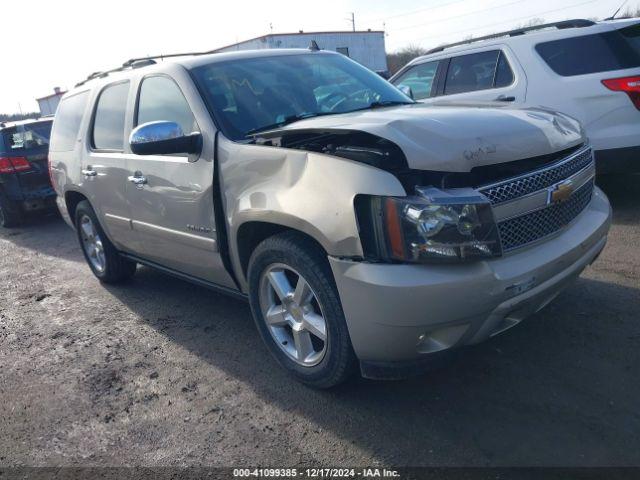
(306, 191)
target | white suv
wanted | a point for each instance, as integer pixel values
(588, 70)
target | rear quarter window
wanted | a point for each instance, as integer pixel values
(632, 34)
(67, 122)
(586, 54)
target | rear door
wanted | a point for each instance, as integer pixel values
(173, 211)
(105, 166)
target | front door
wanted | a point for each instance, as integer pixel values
(171, 196)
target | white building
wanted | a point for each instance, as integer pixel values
(49, 104)
(365, 47)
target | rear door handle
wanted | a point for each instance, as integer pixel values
(89, 172)
(504, 98)
(138, 179)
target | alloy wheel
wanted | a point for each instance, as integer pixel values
(293, 315)
(92, 244)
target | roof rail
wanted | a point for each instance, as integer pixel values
(576, 23)
(137, 63)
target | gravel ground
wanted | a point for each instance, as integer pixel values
(161, 372)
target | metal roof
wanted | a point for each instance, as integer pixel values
(327, 32)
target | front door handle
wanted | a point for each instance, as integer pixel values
(89, 172)
(504, 98)
(138, 179)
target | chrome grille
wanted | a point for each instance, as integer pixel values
(534, 181)
(528, 228)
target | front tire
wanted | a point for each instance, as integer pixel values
(296, 307)
(101, 255)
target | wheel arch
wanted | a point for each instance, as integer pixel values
(253, 232)
(71, 200)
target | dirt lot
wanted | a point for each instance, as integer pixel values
(161, 372)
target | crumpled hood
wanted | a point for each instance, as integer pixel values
(456, 137)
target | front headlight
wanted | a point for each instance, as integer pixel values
(436, 225)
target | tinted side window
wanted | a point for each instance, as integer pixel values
(67, 122)
(108, 125)
(469, 73)
(161, 100)
(632, 34)
(504, 74)
(602, 52)
(420, 78)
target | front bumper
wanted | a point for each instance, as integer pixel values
(405, 313)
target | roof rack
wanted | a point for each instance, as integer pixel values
(139, 63)
(576, 23)
(134, 63)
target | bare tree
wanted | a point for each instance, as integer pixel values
(13, 117)
(534, 22)
(629, 13)
(398, 59)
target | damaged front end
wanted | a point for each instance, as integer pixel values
(379, 152)
(445, 217)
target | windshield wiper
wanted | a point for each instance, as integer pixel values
(384, 103)
(286, 121)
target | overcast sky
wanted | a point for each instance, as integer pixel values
(57, 43)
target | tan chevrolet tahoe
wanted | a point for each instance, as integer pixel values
(366, 231)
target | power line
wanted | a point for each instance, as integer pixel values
(508, 21)
(462, 15)
(388, 17)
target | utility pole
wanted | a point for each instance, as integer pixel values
(353, 21)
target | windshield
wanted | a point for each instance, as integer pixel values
(254, 94)
(26, 137)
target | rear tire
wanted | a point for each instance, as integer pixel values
(101, 255)
(10, 214)
(306, 331)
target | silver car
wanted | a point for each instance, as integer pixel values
(367, 232)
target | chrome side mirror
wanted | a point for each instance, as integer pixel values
(163, 138)
(406, 90)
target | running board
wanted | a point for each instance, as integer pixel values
(183, 276)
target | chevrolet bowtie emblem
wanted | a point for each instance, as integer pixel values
(560, 192)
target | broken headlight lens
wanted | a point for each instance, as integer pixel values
(436, 225)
